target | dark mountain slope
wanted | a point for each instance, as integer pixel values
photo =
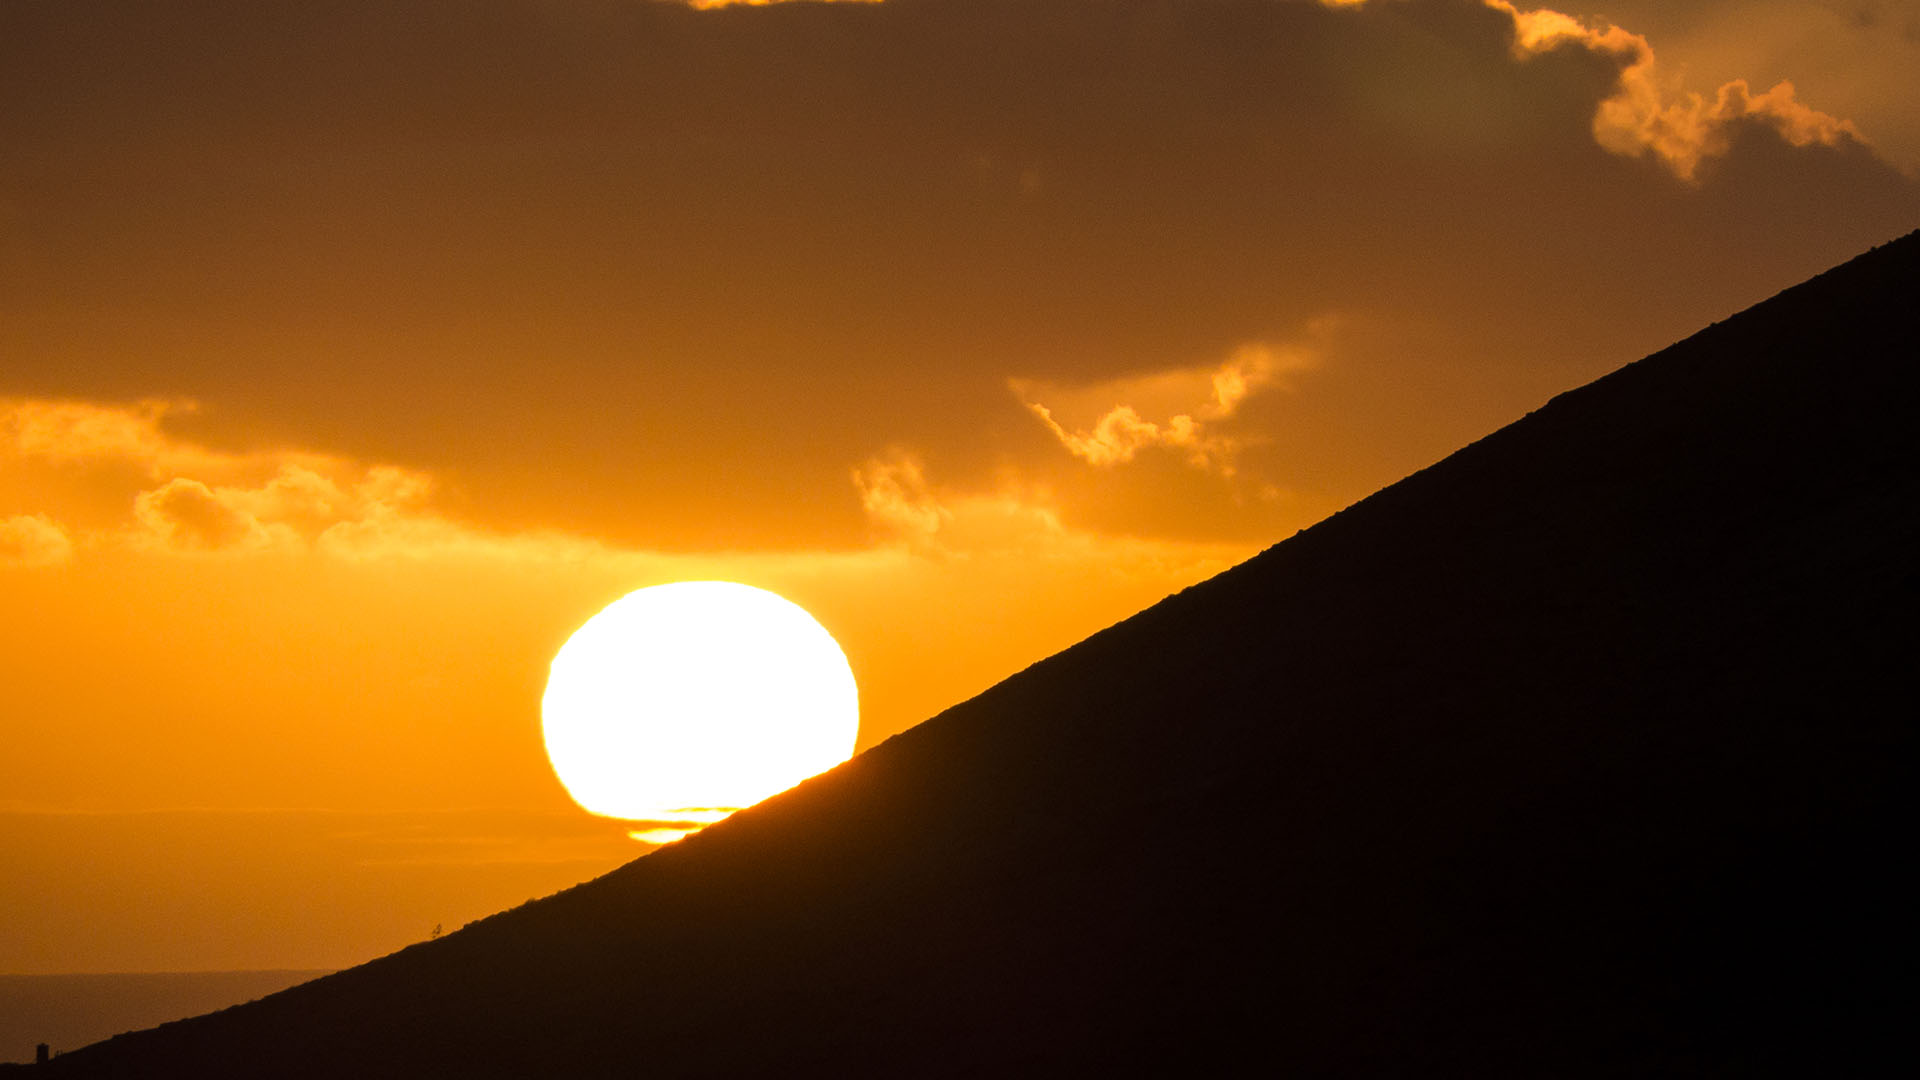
(1584, 752)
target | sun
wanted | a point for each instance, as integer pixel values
(682, 703)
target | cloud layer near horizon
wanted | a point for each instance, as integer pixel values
(321, 629)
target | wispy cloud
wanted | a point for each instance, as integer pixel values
(82, 432)
(1649, 113)
(894, 493)
(1110, 423)
(207, 502)
(1650, 110)
(907, 508)
(198, 502)
(1015, 530)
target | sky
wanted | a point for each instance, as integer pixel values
(353, 354)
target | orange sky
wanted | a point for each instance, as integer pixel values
(351, 357)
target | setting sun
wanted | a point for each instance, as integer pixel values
(679, 704)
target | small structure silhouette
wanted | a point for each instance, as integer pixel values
(41, 1053)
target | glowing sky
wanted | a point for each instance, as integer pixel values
(352, 354)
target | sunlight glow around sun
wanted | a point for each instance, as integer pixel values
(678, 704)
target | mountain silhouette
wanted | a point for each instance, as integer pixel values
(1583, 752)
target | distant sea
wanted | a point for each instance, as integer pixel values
(69, 1011)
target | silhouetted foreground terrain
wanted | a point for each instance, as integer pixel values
(1586, 752)
(73, 1010)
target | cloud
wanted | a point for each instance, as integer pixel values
(1014, 533)
(204, 503)
(347, 510)
(84, 432)
(1648, 113)
(1855, 57)
(187, 515)
(358, 514)
(1122, 432)
(208, 502)
(1192, 400)
(216, 504)
(893, 491)
(907, 508)
(33, 540)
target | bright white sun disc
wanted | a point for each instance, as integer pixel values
(699, 695)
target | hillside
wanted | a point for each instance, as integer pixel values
(73, 1010)
(1582, 752)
